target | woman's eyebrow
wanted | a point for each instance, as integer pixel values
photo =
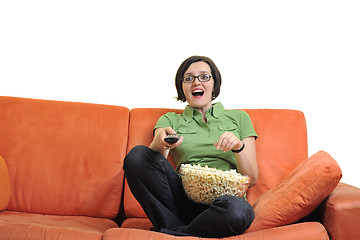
(191, 73)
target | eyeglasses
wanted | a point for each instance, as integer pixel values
(201, 78)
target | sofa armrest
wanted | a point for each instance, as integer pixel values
(340, 213)
(4, 185)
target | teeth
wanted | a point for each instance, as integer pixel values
(198, 91)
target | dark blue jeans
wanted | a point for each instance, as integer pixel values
(158, 189)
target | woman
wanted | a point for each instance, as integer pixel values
(209, 135)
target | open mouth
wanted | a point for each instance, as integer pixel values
(197, 93)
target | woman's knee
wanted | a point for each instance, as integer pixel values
(241, 213)
(135, 158)
(227, 216)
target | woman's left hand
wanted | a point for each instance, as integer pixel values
(228, 141)
(246, 163)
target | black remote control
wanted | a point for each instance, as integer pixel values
(171, 138)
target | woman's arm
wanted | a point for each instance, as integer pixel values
(246, 163)
(159, 145)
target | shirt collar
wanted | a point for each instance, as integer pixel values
(216, 110)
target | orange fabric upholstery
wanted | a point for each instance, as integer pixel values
(281, 146)
(138, 223)
(19, 225)
(4, 185)
(341, 205)
(63, 158)
(303, 231)
(298, 194)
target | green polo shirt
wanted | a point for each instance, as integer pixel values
(199, 137)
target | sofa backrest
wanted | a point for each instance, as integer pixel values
(280, 147)
(63, 158)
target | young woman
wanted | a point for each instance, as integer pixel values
(209, 135)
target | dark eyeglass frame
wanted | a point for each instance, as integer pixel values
(196, 77)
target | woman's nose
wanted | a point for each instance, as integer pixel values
(196, 81)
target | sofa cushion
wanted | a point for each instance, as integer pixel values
(4, 185)
(280, 147)
(298, 194)
(17, 225)
(301, 231)
(138, 223)
(64, 158)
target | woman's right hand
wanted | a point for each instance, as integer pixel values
(160, 145)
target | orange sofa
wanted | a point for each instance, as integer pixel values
(61, 175)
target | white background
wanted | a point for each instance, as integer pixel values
(302, 55)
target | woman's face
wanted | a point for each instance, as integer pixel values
(198, 94)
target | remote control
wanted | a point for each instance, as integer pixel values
(171, 138)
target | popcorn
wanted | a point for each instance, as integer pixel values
(204, 184)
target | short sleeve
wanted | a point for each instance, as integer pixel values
(166, 120)
(246, 127)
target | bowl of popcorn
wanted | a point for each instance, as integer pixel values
(204, 184)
